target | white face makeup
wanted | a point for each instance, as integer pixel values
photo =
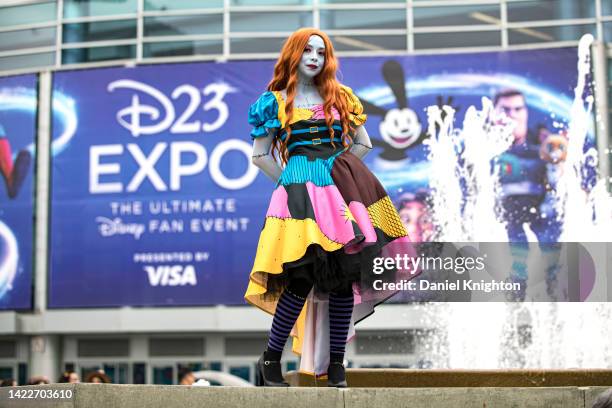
(313, 58)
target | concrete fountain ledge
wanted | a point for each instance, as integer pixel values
(168, 396)
(414, 378)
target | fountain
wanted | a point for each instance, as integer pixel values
(534, 335)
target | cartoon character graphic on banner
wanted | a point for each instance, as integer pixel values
(400, 128)
(414, 211)
(526, 168)
(553, 150)
(13, 172)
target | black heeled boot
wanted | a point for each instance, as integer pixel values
(269, 371)
(336, 376)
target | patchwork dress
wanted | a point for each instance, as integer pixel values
(327, 208)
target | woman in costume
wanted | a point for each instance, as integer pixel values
(328, 216)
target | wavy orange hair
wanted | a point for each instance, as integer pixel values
(286, 76)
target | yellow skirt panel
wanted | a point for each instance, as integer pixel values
(282, 240)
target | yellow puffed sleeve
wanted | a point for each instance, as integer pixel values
(356, 114)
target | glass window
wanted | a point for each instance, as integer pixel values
(549, 34)
(80, 8)
(256, 45)
(6, 372)
(607, 29)
(178, 48)
(184, 25)
(461, 15)
(550, 10)
(606, 8)
(123, 373)
(357, 1)
(117, 372)
(163, 375)
(460, 39)
(45, 59)
(243, 372)
(94, 54)
(363, 19)
(8, 348)
(368, 42)
(111, 372)
(269, 21)
(27, 14)
(174, 346)
(244, 346)
(272, 2)
(99, 31)
(22, 370)
(139, 373)
(216, 366)
(164, 5)
(34, 37)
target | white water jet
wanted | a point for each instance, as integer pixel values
(514, 335)
(447, 198)
(486, 135)
(582, 212)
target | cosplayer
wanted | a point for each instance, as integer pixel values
(328, 216)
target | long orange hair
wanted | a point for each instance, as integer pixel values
(286, 76)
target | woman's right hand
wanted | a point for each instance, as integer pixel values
(262, 156)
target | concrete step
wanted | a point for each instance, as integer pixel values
(169, 396)
(400, 377)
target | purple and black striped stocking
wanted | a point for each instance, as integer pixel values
(340, 312)
(287, 311)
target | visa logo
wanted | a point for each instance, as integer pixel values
(171, 275)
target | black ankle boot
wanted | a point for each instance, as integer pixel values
(269, 371)
(336, 375)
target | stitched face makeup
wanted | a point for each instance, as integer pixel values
(313, 57)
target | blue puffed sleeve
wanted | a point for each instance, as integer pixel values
(263, 115)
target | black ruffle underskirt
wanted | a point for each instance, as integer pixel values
(333, 271)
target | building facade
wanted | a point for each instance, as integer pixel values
(150, 345)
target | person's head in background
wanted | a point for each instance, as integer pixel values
(512, 103)
(8, 382)
(98, 377)
(69, 376)
(38, 379)
(603, 400)
(186, 377)
(413, 210)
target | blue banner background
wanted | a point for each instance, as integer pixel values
(91, 270)
(18, 119)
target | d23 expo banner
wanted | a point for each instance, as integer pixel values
(154, 197)
(155, 200)
(18, 99)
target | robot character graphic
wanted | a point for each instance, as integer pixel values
(13, 172)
